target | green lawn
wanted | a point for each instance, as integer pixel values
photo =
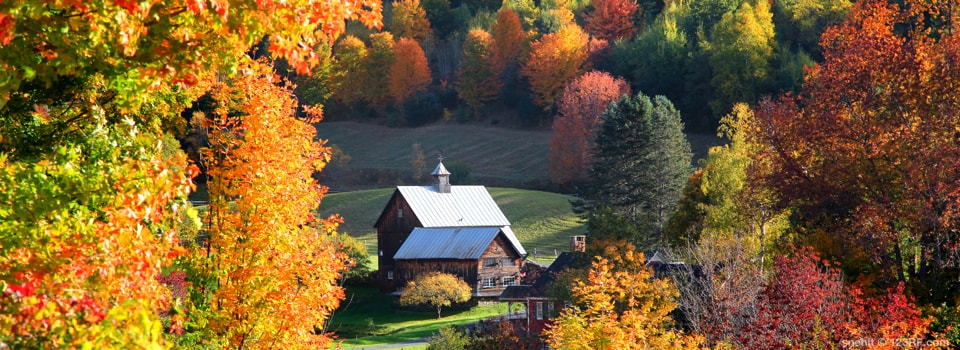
(541, 220)
(368, 317)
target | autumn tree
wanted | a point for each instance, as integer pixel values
(620, 306)
(867, 153)
(267, 275)
(437, 289)
(740, 51)
(350, 54)
(725, 200)
(807, 303)
(90, 92)
(583, 102)
(379, 64)
(409, 20)
(554, 60)
(508, 41)
(611, 19)
(643, 160)
(804, 21)
(409, 72)
(477, 80)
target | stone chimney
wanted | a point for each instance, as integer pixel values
(442, 176)
(578, 244)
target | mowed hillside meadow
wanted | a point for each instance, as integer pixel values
(495, 155)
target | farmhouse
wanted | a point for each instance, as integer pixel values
(454, 229)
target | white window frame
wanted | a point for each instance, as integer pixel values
(389, 275)
(489, 282)
(539, 310)
(509, 280)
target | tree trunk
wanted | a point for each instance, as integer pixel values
(438, 312)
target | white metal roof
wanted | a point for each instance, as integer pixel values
(440, 170)
(449, 243)
(464, 206)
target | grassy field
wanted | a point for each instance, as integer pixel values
(541, 220)
(495, 155)
(369, 318)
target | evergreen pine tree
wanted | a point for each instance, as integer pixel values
(643, 160)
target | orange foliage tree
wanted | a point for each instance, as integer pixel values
(409, 72)
(611, 19)
(554, 60)
(868, 153)
(409, 20)
(508, 41)
(90, 184)
(268, 268)
(579, 110)
(477, 81)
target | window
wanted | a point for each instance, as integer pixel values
(550, 309)
(389, 275)
(510, 280)
(539, 310)
(489, 282)
(400, 213)
(508, 262)
(490, 262)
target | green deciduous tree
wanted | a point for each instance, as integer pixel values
(643, 160)
(725, 199)
(379, 62)
(436, 289)
(478, 81)
(740, 51)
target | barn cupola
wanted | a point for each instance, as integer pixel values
(442, 176)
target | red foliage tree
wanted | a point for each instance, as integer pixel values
(611, 19)
(579, 109)
(868, 153)
(808, 304)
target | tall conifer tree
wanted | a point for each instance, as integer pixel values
(643, 160)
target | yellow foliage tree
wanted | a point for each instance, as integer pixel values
(620, 307)
(437, 289)
(270, 264)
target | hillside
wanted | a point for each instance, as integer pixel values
(541, 220)
(380, 156)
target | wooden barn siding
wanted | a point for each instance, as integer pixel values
(390, 236)
(499, 249)
(410, 269)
